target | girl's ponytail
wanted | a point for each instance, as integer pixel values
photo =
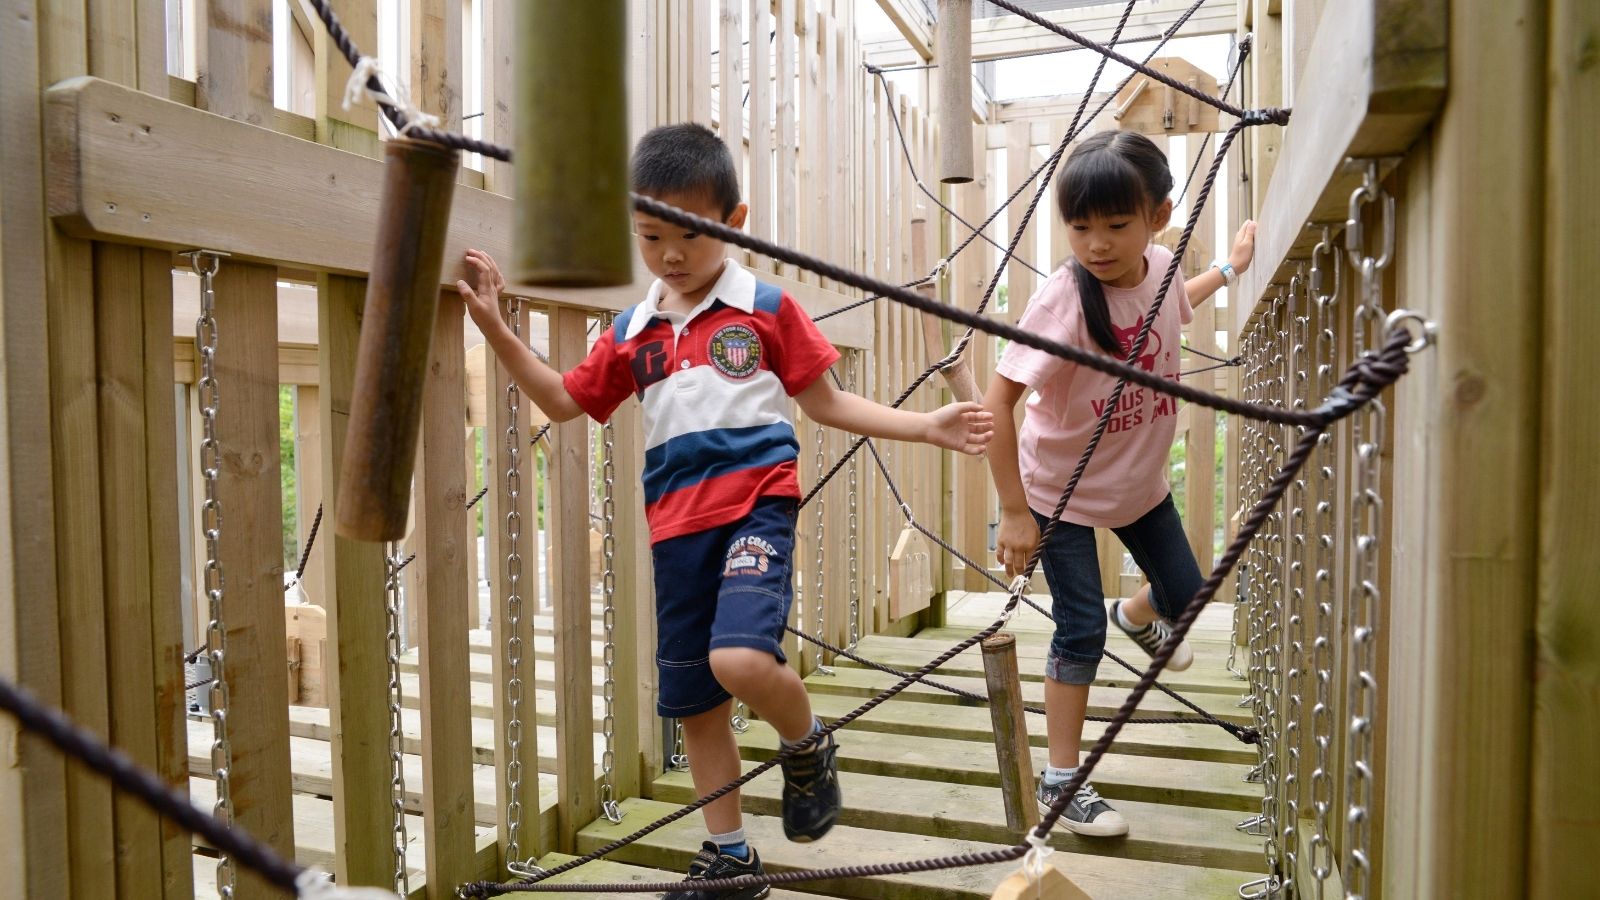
(1110, 173)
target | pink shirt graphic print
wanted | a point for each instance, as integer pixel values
(1127, 476)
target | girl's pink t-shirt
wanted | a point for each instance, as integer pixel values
(1127, 476)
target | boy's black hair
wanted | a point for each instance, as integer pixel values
(686, 159)
(1111, 173)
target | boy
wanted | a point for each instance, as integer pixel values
(714, 356)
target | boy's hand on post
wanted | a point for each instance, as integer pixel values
(965, 427)
(1015, 540)
(1244, 247)
(483, 299)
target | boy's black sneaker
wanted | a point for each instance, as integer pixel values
(1087, 813)
(711, 862)
(1152, 636)
(811, 792)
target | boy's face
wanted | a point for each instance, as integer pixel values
(687, 262)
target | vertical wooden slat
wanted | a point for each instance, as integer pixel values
(447, 801)
(69, 373)
(700, 43)
(1019, 279)
(252, 556)
(1201, 454)
(634, 613)
(355, 129)
(167, 637)
(759, 188)
(567, 519)
(436, 59)
(126, 541)
(352, 588)
(831, 150)
(234, 50)
(499, 89)
(787, 161)
(809, 235)
(730, 80)
(34, 796)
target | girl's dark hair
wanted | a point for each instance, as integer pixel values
(1110, 173)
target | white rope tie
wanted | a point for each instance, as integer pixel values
(1019, 585)
(358, 89)
(1033, 864)
(315, 884)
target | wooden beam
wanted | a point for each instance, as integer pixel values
(448, 813)
(107, 177)
(1567, 673)
(1375, 79)
(352, 592)
(911, 18)
(1008, 35)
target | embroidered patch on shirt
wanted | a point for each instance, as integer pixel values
(735, 351)
(748, 556)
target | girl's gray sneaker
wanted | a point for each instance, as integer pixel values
(1152, 636)
(1087, 814)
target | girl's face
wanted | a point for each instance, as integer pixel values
(1112, 247)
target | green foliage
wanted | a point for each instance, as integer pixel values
(291, 493)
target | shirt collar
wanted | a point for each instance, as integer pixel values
(735, 287)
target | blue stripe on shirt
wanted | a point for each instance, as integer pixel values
(689, 459)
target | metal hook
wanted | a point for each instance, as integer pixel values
(213, 261)
(1400, 319)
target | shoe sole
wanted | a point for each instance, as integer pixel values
(1086, 829)
(813, 836)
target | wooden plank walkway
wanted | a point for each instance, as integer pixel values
(918, 773)
(919, 778)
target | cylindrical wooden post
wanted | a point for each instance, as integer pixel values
(397, 325)
(953, 53)
(571, 213)
(1010, 731)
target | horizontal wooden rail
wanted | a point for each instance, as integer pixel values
(128, 167)
(1374, 80)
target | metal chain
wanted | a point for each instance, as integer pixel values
(680, 755)
(1325, 357)
(818, 602)
(1295, 546)
(397, 758)
(608, 596)
(1366, 516)
(511, 528)
(853, 528)
(1271, 802)
(205, 264)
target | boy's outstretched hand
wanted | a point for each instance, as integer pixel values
(483, 297)
(966, 427)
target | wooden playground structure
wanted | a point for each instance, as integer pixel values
(1412, 634)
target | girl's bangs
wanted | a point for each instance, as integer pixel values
(1100, 183)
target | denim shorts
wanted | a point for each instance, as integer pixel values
(727, 586)
(1071, 565)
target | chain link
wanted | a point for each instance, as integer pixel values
(1295, 546)
(853, 527)
(511, 527)
(1324, 359)
(205, 264)
(608, 596)
(397, 758)
(1366, 516)
(818, 602)
(680, 755)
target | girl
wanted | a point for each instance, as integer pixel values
(1113, 197)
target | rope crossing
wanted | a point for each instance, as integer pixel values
(1355, 391)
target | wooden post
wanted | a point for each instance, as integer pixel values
(567, 519)
(351, 586)
(447, 800)
(385, 409)
(310, 494)
(249, 490)
(571, 214)
(1010, 731)
(1561, 862)
(954, 56)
